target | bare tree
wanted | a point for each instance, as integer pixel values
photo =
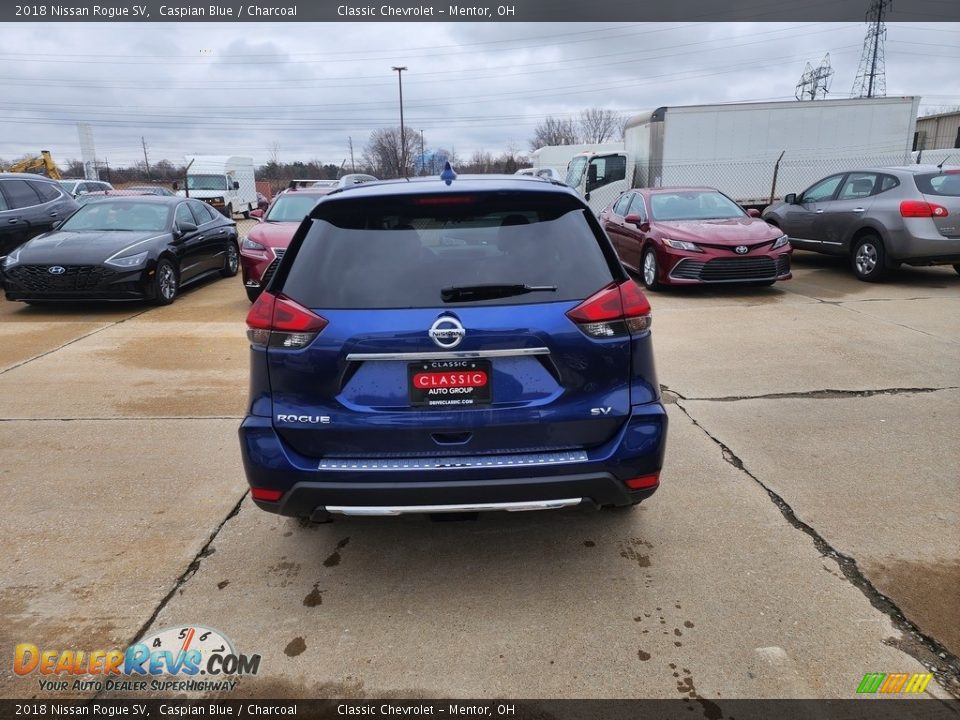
(274, 153)
(382, 152)
(940, 109)
(554, 131)
(598, 125)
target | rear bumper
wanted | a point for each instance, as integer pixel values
(598, 479)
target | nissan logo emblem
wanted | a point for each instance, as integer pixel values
(741, 249)
(57, 270)
(447, 332)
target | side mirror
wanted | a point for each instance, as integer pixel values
(635, 219)
(185, 228)
(236, 185)
(790, 198)
(258, 214)
(753, 212)
(57, 224)
(175, 186)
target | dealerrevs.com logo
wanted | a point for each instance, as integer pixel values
(178, 659)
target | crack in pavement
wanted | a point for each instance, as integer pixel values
(190, 571)
(844, 306)
(947, 668)
(812, 394)
(75, 340)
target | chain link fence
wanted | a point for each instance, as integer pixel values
(754, 183)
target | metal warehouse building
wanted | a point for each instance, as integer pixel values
(938, 132)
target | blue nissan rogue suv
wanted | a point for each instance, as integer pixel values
(456, 345)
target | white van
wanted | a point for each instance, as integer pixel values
(225, 182)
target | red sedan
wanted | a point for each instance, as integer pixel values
(686, 236)
(261, 250)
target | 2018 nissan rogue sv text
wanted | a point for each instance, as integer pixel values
(430, 346)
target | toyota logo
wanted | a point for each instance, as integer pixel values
(741, 249)
(447, 332)
(57, 270)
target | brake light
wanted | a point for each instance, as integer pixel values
(445, 200)
(278, 321)
(921, 208)
(614, 311)
(266, 494)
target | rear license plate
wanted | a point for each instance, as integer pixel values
(449, 383)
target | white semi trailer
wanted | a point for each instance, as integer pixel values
(736, 147)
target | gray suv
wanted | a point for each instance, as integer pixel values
(880, 218)
(29, 205)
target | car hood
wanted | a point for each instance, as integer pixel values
(273, 234)
(82, 247)
(733, 231)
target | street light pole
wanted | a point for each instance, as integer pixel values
(403, 136)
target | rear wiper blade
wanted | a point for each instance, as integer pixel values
(488, 292)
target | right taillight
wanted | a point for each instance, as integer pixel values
(278, 321)
(922, 209)
(614, 311)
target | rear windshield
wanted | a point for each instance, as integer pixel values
(946, 183)
(291, 208)
(401, 252)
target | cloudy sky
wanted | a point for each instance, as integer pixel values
(304, 89)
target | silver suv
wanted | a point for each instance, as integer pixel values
(880, 218)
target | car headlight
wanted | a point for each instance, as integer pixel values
(681, 245)
(780, 242)
(12, 259)
(130, 261)
(249, 244)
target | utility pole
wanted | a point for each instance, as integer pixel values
(403, 136)
(423, 160)
(146, 160)
(353, 168)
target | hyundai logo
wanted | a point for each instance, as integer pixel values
(741, 249)
(56, 270)
(447, 332)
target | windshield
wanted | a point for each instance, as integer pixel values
(424, 252)
(107, 215)
(69, 185)
(575, 171)
(693, 205)
(207, 182)
(291, 208)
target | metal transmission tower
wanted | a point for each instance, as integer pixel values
(815, 81)
(871, 75)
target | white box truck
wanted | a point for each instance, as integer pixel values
(226, 182)
(559, 156)
(735, 148)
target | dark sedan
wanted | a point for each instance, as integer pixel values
(124, 248)
(686, 236)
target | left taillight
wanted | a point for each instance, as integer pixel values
(615, 311)
(278, 321)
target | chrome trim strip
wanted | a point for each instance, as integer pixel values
(454, 462)
(448, 355)
(388, 510)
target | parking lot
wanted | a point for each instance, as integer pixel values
(807, 529)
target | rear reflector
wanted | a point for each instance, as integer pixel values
(644, 481)
(921, 208)
(278, 321)
(266, 494)
(614, 311)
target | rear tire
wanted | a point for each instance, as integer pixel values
(253, 293)
(231, 263)
(649, 270)
(166, 282)
(869, 259)
(228, 212)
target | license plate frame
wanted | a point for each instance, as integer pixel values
(446, 384)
